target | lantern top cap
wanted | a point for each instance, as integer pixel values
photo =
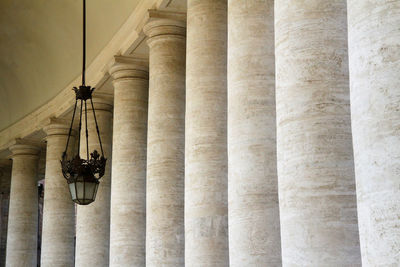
(84, 92)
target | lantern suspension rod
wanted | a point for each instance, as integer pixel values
(84, 43)
(97, 127)
(70, 127)
(87, 133)
(79, 131)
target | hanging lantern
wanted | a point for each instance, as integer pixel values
(83, 175)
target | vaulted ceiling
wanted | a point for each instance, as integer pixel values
(41, 47)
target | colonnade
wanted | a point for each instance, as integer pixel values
(263, 133)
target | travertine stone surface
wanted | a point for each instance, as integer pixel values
(23, 211)
(93, 221)
(128, 190)
(166, 142)
(206, 200)
(315, 158)
(374, 52)
(58, 229)
(254, 235)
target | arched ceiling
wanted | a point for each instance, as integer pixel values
(41, 47)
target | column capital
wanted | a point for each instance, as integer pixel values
(101, 102)
(165, 24)
(24, 147)
(126, 67)
(57, 126)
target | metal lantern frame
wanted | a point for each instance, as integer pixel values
(83, 175)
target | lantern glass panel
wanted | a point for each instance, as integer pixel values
(72, 191)
(95, 191)
(80, 190)
(90, 189)
(83, 193)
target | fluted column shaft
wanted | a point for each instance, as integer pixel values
(254, 236)
(58, 229)
(128, 191)
(206, 192)
(93, 221)
(374, 53)
(165, 145)
(315, 158)
(23, 209)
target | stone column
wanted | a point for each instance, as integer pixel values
(5, 180)
(254, 236)
(315, 159)
(128, 191)
(206, 192)
(58, 229)
(23, 211)
(374, 53)
(93, 221)
(165, 143)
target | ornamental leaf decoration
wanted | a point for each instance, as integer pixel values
(92, 169)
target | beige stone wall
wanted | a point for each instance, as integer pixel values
(206, 198)
(315, 157)
(374, 50)
(254, 235)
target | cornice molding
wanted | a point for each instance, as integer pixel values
(166, 14)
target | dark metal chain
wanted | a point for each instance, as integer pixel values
(70, 127)
(79, 132)
(87, 133)
(81, 96)
(97, 127)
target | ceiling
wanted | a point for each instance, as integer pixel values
(41, 47)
